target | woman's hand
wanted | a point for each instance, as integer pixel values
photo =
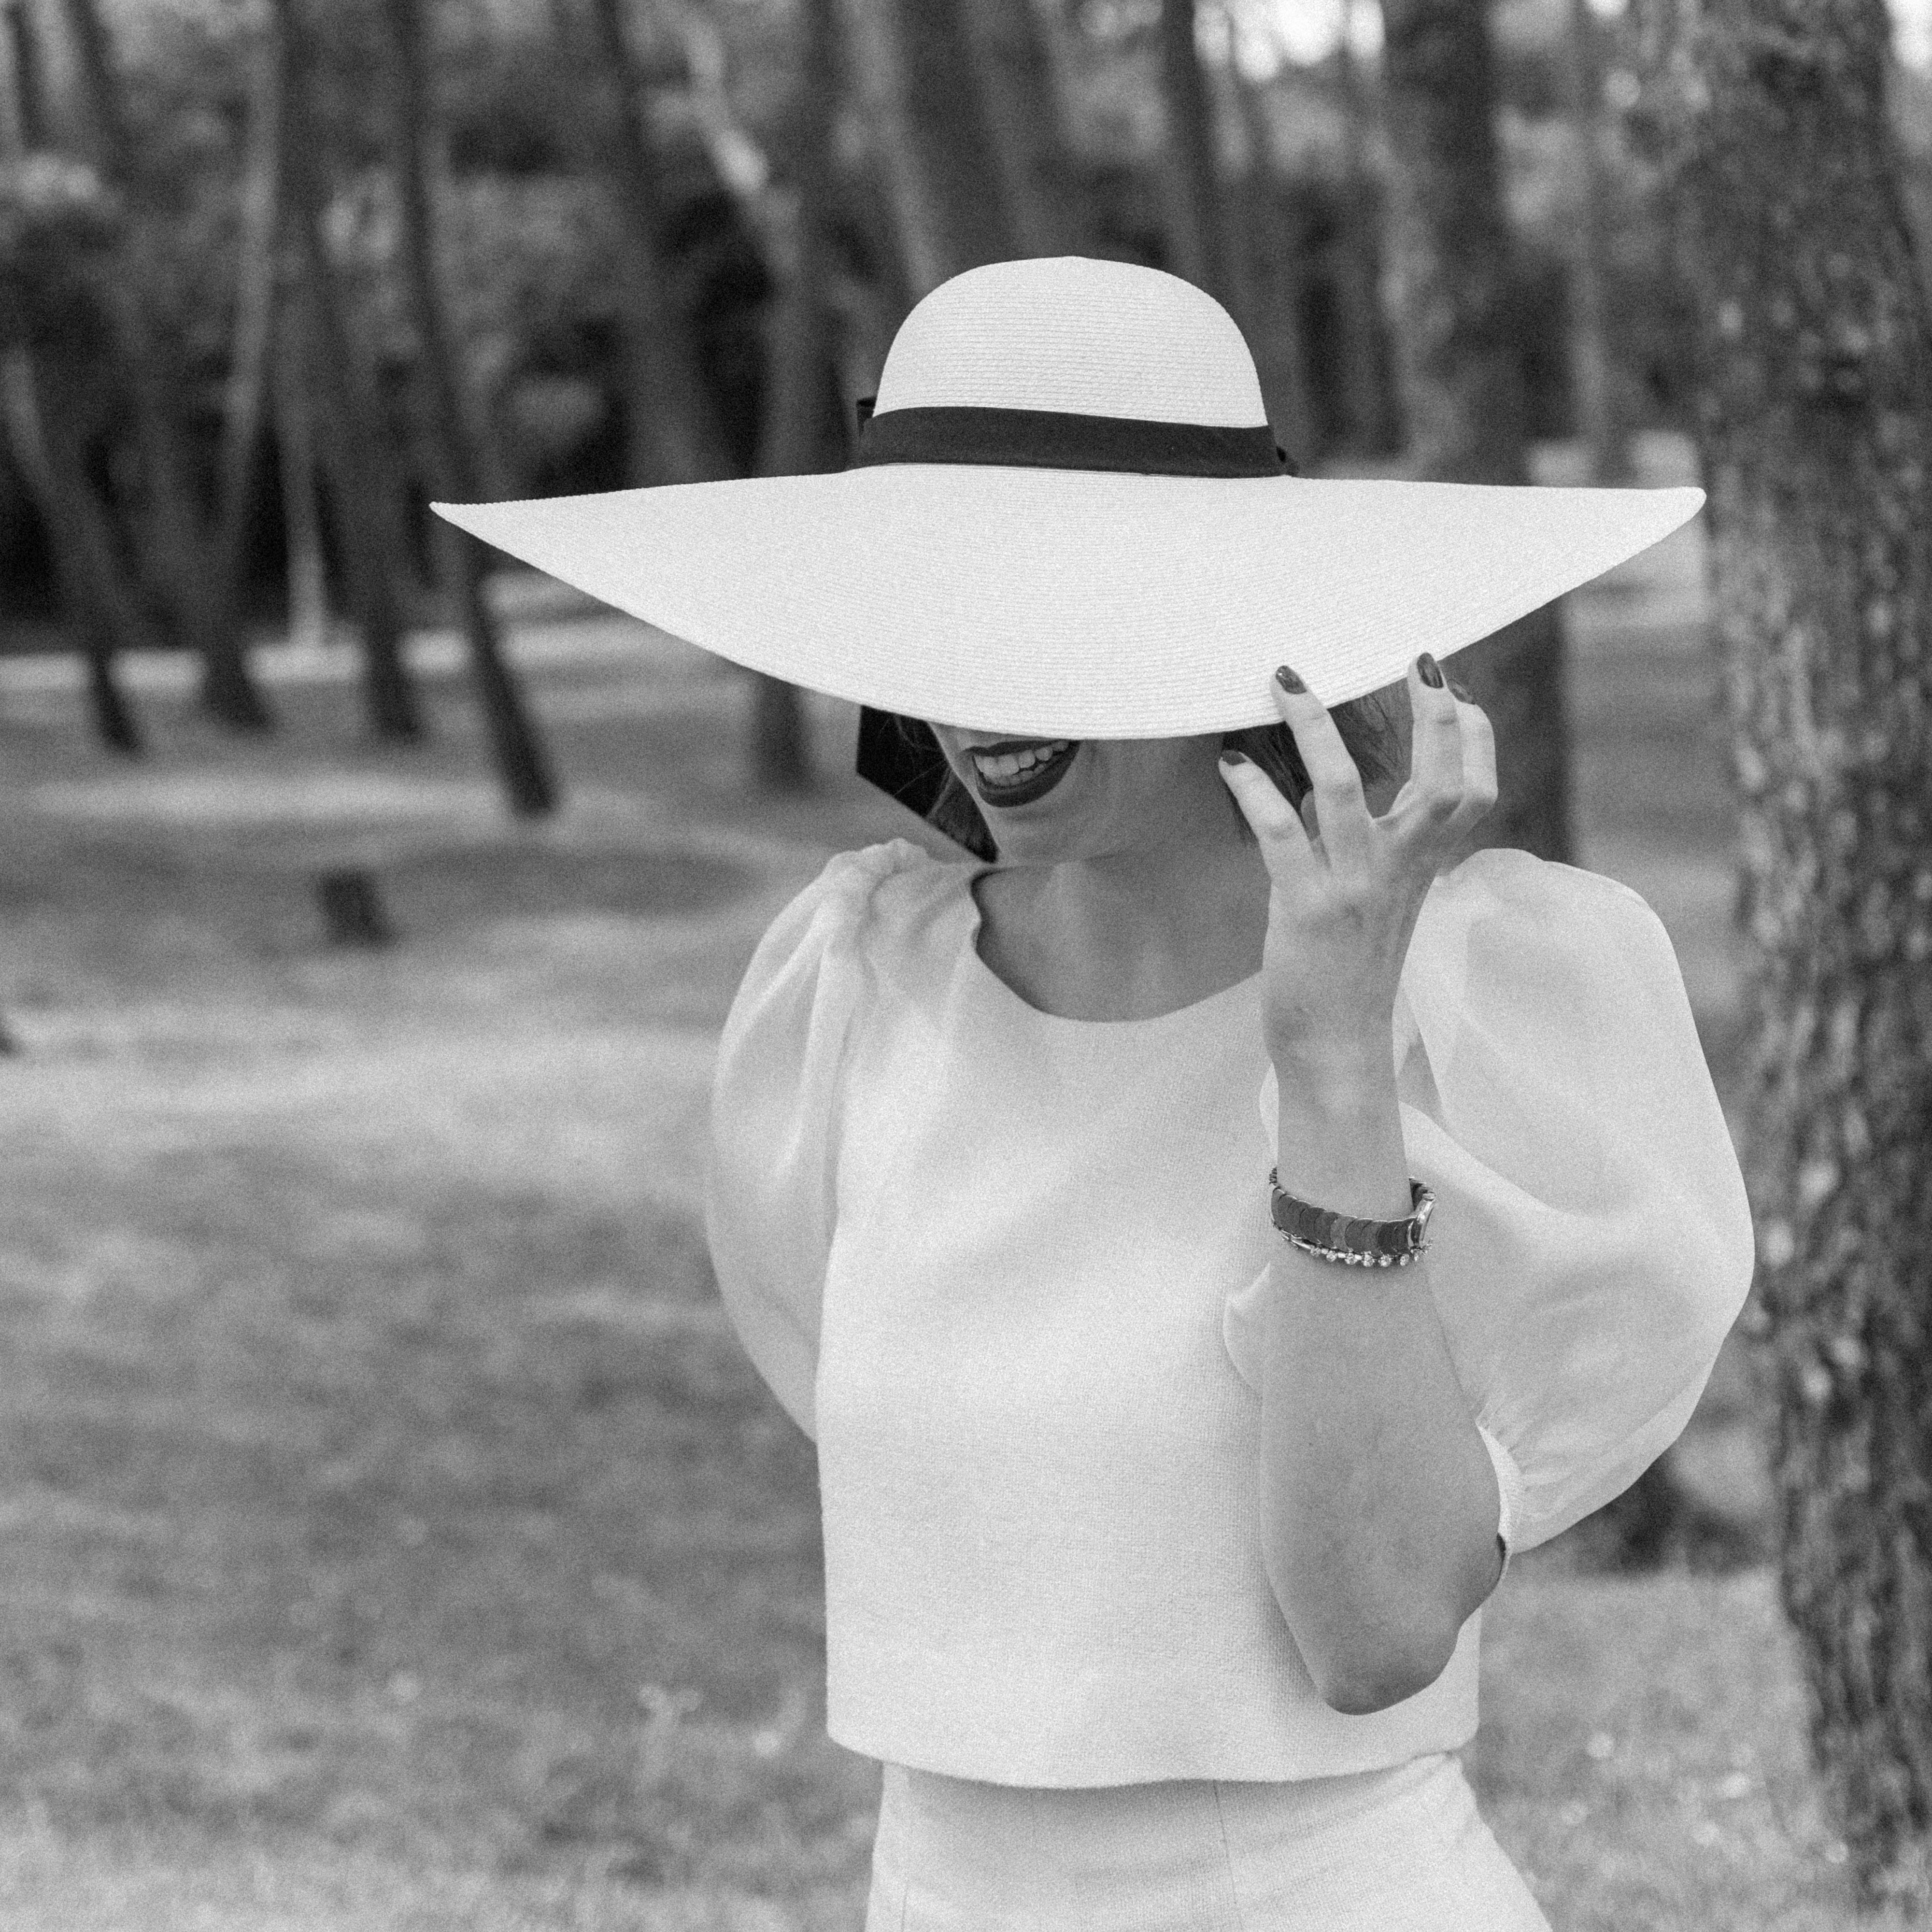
(1347, 888)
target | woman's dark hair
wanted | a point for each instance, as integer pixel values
(1365, 724)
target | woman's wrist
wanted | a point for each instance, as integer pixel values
(1336, 1074)
(1345, 1153)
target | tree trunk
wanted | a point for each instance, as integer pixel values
(301, 506)
(521, 758)
(1373, 428)
(1271, 280)
(1463, 384)
(672, 434)
(1601, 417)
(1015, 63)
(1768, 121)
(913, 60)
(801, 433)
(1196, 233)
(97, 598)
(182, 550)
(258, 254)
(364, 494)
(30, 88)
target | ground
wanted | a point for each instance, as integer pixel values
(395, 1535)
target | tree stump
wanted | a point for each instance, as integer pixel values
(353, 913)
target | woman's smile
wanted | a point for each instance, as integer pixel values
(1025, 787)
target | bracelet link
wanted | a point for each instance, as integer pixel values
(1349, 1239)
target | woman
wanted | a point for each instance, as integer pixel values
(1205, 1242)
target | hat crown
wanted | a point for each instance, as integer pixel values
(1075, 334)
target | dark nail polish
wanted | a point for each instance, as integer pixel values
(1431, 671)
(1287, 679)
(1461, 691)
(1231, 757)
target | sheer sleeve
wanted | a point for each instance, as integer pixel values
(1592, 1244)
(774, 1116)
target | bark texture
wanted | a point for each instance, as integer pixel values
(1768, 119)
(1463, 388)
(521, 761)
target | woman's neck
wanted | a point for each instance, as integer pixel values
(1151, 929)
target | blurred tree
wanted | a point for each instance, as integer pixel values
(1769, 120)
(798, 433)
(1196, 224)
(1467, 405)
(521, 761)
(1269, 272)
(302, 515)
(1370, 412)
(258, 255)
(52, 352)
(925, 105)
(804, 432)
(1015, 62)
(315, 338)
(1462, 376)
(672, 431)
(29, 73)
(181, 549)
(1602, 419)
(59, 239)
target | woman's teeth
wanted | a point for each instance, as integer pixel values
(1011, 764)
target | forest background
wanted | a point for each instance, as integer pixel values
(393, 1533)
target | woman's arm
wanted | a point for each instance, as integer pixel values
(1378, 1501)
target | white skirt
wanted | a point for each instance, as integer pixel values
(1399, 1850)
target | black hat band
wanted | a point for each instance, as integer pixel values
(1058, 440)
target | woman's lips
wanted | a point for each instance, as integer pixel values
(1037, 786)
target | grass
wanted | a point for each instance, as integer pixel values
(394, 1533)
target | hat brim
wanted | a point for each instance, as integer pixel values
(1073, 603)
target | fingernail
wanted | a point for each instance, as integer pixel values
(1287, 679)
(1231, 757)
(1461, 691)
(1431, 671)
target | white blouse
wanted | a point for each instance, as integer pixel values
(1008, 1270)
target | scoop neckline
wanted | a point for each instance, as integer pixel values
(975, 920)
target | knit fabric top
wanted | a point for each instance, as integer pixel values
(1009, 1270)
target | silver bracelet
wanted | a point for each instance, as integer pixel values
(1352, 1239)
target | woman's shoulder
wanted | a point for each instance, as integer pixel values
(1505, 876)
(1502, 900)
(884, 882)
(864, 903)
(1524, 960)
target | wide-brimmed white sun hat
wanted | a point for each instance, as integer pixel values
(1067, 516)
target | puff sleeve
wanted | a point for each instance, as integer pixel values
(1592, 1244)
(774, 1118)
